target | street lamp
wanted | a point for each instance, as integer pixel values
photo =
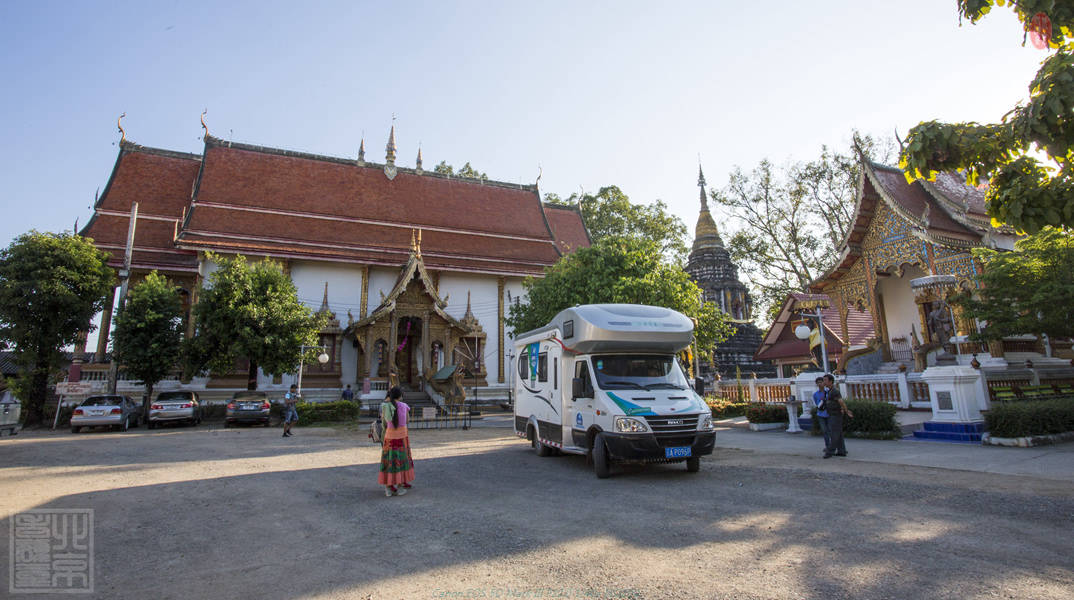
(802, 333)
(321, 358)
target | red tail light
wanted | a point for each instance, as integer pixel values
(78, 411)
(117, 411)
(157, 407)
(266, 406)
(187, 405)
(231, 406)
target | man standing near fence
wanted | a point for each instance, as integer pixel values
(821, 414)
(836, 408)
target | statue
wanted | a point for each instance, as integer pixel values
(939, 321)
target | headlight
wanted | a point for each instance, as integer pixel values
(629, 425)
(706, 423)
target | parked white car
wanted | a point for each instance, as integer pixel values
(175, 407)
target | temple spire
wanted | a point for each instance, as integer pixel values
(701, 184)
(469, 313)
(419, 158)
(390, 157)
(324, 302)
(361, 152)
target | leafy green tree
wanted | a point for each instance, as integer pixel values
(609, 213)
(1023, 191)
(791, 220)
(51, 285)
(1028, 290)
(618, 270)
(465, 171)
(149, 331)
(251, 311)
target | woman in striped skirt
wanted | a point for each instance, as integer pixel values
(396, 464)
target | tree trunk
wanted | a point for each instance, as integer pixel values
(147, 401)
(35, 404)
(251, 377)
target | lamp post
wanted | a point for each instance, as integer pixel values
(321, 358)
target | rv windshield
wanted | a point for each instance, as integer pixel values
(638, 372)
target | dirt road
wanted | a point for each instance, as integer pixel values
(244, 513)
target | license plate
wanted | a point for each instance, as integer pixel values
(680, 452)
(96, 413)
(251, 406)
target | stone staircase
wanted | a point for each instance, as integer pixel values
(418, 401)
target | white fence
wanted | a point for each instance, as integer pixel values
(903, 389)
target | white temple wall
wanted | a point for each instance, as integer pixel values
(899, 306)
(381, 280)
(344, 294)
(483, 303)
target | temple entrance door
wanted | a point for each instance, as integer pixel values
(408, 351)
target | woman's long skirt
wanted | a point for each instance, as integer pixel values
(396, 464)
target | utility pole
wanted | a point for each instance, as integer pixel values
(124, 280)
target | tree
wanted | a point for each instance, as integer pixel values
(149, 331)
(51, 285)
(1028, 290)
(609, 213)
(618, 270)
(251, 311)
(793, 219)
(1023, 191)
(465, 171)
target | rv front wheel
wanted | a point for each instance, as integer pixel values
(693, 464)
(601, 464)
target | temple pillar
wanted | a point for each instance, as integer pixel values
(393, 335)
(106, 325)
(364, 310)
(500, 281)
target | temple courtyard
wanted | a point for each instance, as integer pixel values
(209, 512)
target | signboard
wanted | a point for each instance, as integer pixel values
(76, 388)
(943, 401)
(428, 412)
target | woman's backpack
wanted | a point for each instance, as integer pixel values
(376, 431)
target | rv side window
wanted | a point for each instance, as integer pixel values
(555, 373)
(542, 366)
(524, 364)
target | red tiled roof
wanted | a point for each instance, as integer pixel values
(161, 182)
(567, 226)
(258, 200)
(780, 342)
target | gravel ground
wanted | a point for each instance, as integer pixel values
(244, 513)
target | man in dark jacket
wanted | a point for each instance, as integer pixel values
(833, 402)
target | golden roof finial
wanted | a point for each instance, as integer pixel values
(419, 242)
(119, 123)
(413, 243)
(203, 125)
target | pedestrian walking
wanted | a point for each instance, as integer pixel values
(837, 409)
(290, 410)
(347, 394)
(821, 414)
(396, 463)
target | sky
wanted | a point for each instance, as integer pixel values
(587, 93)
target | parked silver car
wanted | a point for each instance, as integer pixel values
(118, 412)
(248, 407)
(174, 407)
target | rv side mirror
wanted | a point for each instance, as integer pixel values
(578, 388)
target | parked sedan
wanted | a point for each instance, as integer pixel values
(118, 412)
(175, 407)
(248, 407)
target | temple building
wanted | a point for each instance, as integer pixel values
(413, 268)
(711, 268)
(908, 250)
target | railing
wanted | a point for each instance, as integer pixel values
(901, 351)
(919, 391)
(1020, 346)
(886, 390)
(754, 390)
(972, 347)
(449, 417)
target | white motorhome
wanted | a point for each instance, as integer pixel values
(602, 380)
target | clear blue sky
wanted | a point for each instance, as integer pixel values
(597, 93)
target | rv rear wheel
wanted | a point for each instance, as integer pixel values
(601, 464)
(693, 464)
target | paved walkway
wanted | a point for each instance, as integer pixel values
(1049, 462)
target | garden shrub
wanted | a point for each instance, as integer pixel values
(724, 408)
(1022, 419)
(758, 412)
(334, 412)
